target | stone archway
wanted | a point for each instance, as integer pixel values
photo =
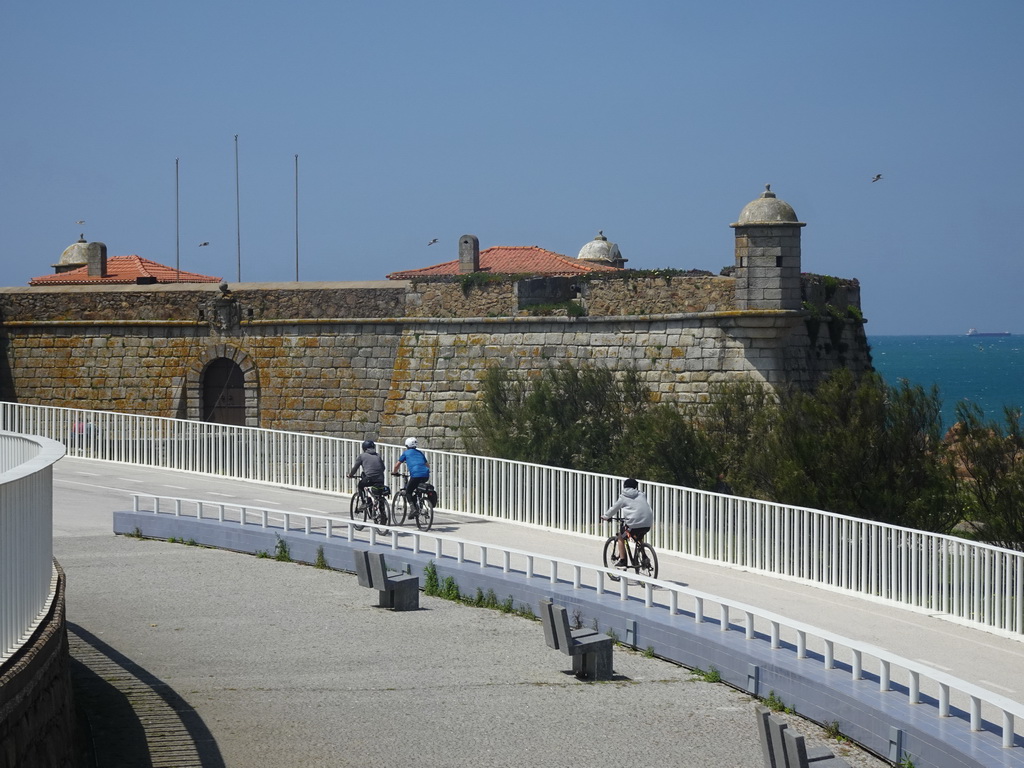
(223, 387)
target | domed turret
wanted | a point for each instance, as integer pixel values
(768, 254)
(602, 251)
(767, 209)
(74, 256)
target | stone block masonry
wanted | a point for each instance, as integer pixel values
(390, 359)
(37, 715)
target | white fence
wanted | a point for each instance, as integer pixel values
(28, 580)
(974, 582)
(905, 680)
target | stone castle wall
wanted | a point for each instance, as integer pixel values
(389, 359)
(37, 713)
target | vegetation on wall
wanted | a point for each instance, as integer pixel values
(855, 445)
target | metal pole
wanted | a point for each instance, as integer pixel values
(177, 227)
(296, 218)
(238, 212)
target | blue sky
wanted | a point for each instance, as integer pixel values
(525, 123)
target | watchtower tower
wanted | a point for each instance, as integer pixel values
(768, 254)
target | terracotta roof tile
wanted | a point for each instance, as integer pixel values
(124, 270)
(513, 260)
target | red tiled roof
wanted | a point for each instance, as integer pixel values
(513, 260)
(124, 270)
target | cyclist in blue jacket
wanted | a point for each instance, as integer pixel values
(419, 467)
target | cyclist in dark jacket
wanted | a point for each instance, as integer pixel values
(371, 464)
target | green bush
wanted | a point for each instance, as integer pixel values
(857, 447)
(854, 445)
(430, 582)
(449, 589)
(281, 551)
(321, 561)
(989, 457)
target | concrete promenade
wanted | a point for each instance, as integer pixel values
(187, 656)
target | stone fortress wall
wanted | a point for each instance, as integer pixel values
(390, 359)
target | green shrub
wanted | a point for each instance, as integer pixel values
(321, 561)
(281, 551)
(430, 582)
(449, 589)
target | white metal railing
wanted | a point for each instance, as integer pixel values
(28, 579)
(916, 683)
(976, 583)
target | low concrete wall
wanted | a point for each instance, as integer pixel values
(37, 714)
(870, 718)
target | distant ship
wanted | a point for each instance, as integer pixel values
(976, 332)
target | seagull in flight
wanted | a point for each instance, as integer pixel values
(79, 222)
(432, 241)
(202, 244)
(878, 177)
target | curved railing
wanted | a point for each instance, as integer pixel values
(972, 582)
(904, 680)
(28, 578)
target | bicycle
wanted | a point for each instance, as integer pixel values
(421, 503)
(640, 556)
(373, 507)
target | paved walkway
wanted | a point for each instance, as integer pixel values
(197, 657)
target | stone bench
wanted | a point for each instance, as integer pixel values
(399, 593)
(591, 652)
(782, 747)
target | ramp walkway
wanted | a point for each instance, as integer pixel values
(265, 663)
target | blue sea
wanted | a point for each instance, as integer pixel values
(986, 370)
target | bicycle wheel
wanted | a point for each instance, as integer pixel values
(646, 561)
(611, 554)
(383, 510)
(425, 519)
(355, 511)
(399, 509)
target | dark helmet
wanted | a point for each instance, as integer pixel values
(631, 483)
(368, 444)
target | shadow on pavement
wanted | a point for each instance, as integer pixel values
(132, 718)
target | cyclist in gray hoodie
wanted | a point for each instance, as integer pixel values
(637, 516)
(371, 464)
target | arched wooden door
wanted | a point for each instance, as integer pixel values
(224, 393)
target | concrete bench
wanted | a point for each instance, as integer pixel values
(399, 593)
(782, 747)
(591, 652)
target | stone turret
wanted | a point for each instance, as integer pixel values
(768, 254)
(73, 257)
(601, 251)
(83, 254)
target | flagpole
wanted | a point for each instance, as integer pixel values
(296, 218)
(177, 226)
(238, 212)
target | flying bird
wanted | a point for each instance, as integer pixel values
(878, 177)
(79, 222)
(202, 244)
(432, 241)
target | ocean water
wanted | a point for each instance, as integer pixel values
(986, 370)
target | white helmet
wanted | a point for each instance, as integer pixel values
(410, 442)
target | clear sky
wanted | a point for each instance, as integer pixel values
(525, 123)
